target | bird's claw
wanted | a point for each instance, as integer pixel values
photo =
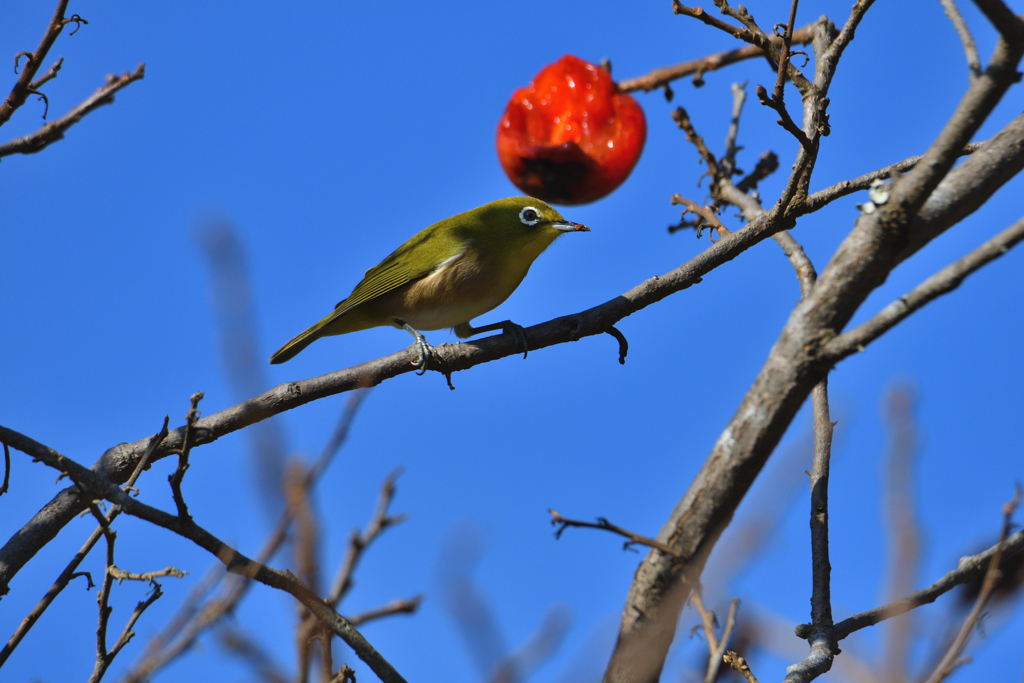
(426, 355)
(519, 334)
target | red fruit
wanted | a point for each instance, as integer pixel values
(571, 137)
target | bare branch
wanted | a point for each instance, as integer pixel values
(969, 568)
(118, 461)
(235, 561)
(70, 572)
(942, 282)
(20, 92)
(186, 446)
(787, 41)
(1009, 25)
(120, 575)
(822, 636)
(54, 131)
(860, 183)
(739, 96)
(794, 366)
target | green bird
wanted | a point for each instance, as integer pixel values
(446, 275)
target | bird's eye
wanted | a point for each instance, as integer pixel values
(529, 216)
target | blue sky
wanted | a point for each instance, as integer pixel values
(329, 133)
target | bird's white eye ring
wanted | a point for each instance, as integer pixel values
(529, 216)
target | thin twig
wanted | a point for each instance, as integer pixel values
(19, 93)
(682, 119)
(861, 183)
(739, 96)
(397, 606)
(787, 41)
(634, 539)
(7, 470)
(54, 131)
(755, 35)
(970, 49)
(767, 164)
(179, 473)
(708, 213)
(359, 542)
(716, 646)
(785, 120)
(50, 74)
(822, 636)
(739, 664)
(120, 575)
(659, 78)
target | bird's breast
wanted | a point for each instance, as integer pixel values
(460, 289)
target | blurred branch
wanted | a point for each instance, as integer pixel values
(235, 641)
(231, 297)
(396, 606)
(477, 624)
(359, 542)
(740, 665)
(183, 630)
(901, 525)
(970, 49)
(716, 646)
(520, 664)
(950, 660)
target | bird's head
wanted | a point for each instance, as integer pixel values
(519, 227)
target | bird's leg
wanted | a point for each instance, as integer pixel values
(426, 351)
(507, 326)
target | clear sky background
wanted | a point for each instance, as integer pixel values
(330, 132)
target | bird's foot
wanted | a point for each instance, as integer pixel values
(426, 355)
(507, 326)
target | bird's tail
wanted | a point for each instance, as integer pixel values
(292, 348)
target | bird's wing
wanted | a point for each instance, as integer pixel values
(433, 248)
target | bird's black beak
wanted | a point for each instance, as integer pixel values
(569, 226)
